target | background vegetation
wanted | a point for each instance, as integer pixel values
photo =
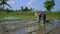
(28, 14)
(25, 12)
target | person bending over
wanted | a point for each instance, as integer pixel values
(41, 14)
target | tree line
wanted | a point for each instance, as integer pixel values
(48, 4)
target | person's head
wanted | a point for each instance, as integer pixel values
(38, 12)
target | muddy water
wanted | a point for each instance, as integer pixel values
(53, 24)
(49, 26)
(21, 31)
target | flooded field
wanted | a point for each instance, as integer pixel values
(26, 26)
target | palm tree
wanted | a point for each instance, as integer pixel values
(4, 2)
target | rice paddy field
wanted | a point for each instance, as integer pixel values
(30, 16)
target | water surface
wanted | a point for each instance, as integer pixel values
(49, 26)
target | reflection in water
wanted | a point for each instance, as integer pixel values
(11, 17)
(49, 26)
(22, 31)
(54, 23)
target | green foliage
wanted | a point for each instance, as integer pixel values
(26, 9)
(8, 10)
(22, 8)
(31, 9)
(1, 9)
(57, 12)
(49, 4)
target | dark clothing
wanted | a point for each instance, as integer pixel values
(44, 19)
(43, 16)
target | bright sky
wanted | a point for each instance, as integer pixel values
(36, 4)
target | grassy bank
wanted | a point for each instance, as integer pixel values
(53, 15)
(30, 15)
